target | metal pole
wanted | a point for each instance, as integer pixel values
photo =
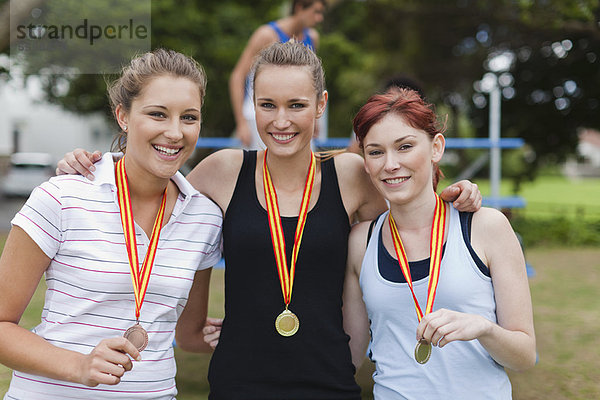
(494, 133)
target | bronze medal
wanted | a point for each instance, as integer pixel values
(422, 351)
(287, 323)
(139, 276)
(137, 336)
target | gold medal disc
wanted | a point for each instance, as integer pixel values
(287, 323)
(137, 336)
(422, 351)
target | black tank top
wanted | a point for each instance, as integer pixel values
(252, 361)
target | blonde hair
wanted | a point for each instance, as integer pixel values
(141, 70)
(293, 54)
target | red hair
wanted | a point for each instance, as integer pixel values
(405, 103)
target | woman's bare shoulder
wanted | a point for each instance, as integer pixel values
(216, 175)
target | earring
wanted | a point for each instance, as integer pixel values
(124, 128)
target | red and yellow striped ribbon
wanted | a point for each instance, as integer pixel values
(286, 277)
(139, 276)
(435, 249)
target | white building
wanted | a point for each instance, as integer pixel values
(27, 123)
(587, 162)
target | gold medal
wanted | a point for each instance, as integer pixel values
(438, 227)
(287, 323)
(422, 351)
(137, 336)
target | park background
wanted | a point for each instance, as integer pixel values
(550, 99)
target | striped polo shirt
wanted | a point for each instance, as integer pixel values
(76, 222)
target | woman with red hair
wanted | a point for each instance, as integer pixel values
(424, 274)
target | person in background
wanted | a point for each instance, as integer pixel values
(299, 25)
(287, 216)
(122, 255)
(440, 296)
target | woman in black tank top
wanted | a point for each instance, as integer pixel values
(252, 360)
(251, 356)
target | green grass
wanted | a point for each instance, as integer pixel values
(566, 304)
(566, 316)
(549, 196)
(560, 190)
(552, 189)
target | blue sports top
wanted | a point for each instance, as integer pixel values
(284, 37)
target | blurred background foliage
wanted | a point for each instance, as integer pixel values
(552, 89)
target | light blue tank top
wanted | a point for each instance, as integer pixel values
(460, 370)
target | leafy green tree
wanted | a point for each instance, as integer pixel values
(553, 87)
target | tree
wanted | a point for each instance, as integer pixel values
(555, 80)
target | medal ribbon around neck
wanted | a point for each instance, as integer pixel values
(286, 278)
(435, 248)
(139, 277)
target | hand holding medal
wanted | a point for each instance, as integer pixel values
(287, 322)
(136, 334)
(107, 362)
(438, 227)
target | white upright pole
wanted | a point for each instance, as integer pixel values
(494, 134)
